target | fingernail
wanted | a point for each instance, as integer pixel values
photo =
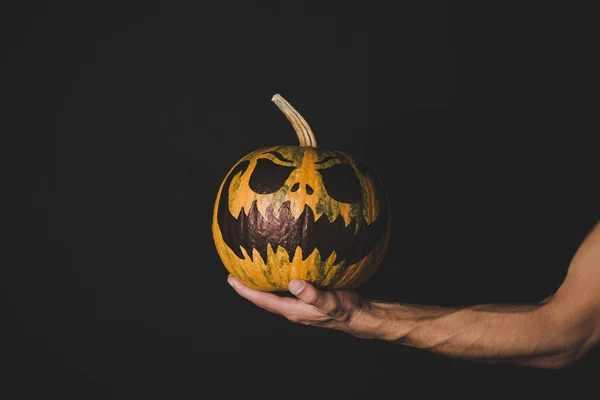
(296, 286)
(232, 281)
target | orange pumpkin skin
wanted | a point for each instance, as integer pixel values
(286, 212)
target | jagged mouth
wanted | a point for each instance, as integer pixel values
(280, 229)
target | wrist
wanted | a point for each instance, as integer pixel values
(378, 320)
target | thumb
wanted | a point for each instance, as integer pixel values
(309, 294)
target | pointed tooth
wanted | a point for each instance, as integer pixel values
(346, 211)
(347, 219)
(296, 209)
(334, 214)
(326, 254)
(262, 207)
(318, 215)
(332, 258)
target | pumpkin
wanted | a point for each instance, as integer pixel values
(298, 211)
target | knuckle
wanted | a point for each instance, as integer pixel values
(337, 310)
(313, 299)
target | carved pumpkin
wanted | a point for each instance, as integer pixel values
(286, 212)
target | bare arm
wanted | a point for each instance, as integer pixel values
(551, 334)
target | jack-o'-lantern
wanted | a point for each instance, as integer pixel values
(298, 211)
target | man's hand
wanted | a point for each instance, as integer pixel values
(553, 333)
(342, 310)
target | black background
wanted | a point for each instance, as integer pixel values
(120, 122)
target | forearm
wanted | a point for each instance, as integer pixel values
(520, 334)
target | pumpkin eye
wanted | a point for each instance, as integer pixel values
(341, 183)
(268, 177)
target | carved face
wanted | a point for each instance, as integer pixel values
(290, 212)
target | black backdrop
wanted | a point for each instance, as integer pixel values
(121, 122)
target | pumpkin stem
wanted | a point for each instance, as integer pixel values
(305, 134)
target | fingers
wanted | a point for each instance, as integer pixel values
(310, 306)
(268, 301)
(325, 301)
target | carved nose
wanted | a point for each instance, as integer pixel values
(296, 186)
